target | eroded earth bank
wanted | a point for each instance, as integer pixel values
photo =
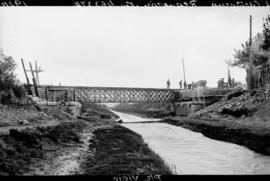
(51, 142)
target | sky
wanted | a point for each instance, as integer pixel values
(127, 46)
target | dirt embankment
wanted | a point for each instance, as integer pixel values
(51, 142)
(32, 141)
(146, 110)
(243, 117)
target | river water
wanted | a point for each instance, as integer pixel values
(190, 152)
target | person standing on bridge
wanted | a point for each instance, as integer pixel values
(185, 85)
(168, 84)
(180, 84)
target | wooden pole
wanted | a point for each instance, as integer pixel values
(250, 30)
(74, 95)
(37, 78)
(36, 71)
(27, 79)
(46, 93)
(251, 76)
(34, 82)
(184, 70)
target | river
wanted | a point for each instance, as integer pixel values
(190, 152)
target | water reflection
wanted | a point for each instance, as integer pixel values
(193, 153)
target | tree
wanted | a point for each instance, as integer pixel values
(241, 57)
(258, 52)
(9, 85)
(7, 67)
(261, 43)
(266, 33)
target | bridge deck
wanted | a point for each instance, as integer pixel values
(127, 94)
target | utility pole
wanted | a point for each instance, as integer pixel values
(251, 79)
(27, 79)
(184, 69)
(34, 82)
(36, 71)
(37, 78)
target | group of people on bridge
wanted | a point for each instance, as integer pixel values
(182, 85)
(230, 84)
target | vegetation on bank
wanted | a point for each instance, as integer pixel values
(260, 48)
(255, 58)
(11, 90)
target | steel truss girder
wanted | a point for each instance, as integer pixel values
(124, 95)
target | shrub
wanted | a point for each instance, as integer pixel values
(10, 88)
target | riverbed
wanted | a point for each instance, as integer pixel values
(189, 152)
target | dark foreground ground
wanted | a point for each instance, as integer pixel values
(50, 142)
(121, 151)
(243, 117)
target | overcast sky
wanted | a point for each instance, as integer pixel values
(127, 46)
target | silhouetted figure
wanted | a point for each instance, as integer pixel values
(180, 84)
(185, 85)
(168, 84)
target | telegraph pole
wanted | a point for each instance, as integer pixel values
(27, 79)
(37, 78)
(250, 74)
(184, 70)
(36, 71)
(34, 82)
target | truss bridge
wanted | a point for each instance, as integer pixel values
(108, 94)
